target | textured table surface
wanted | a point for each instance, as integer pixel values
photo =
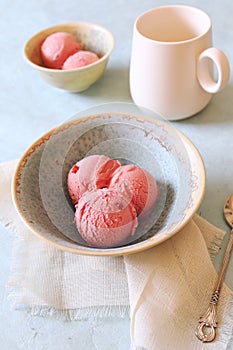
(29, 107)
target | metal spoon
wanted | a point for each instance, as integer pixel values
(205, 330)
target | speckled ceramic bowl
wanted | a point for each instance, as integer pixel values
(40, 182)
(93, 37)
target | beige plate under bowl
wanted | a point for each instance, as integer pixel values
(40, 190)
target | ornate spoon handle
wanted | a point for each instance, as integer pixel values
(205, 330)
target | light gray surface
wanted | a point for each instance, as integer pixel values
(29, 107)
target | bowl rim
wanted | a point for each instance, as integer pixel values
(117, 251)
(68, 24)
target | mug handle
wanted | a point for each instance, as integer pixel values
(204, 75)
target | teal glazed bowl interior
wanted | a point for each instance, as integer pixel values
(92, 36)
(40, 183)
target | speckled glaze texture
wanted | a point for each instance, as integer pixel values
(40, 183)
(92, 36)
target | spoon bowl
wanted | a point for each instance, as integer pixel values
(228, 211)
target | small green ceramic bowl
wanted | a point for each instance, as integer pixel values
(92, 36)
(40, 192)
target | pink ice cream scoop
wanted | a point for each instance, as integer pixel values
(105, 217)
(143, 186)
(57, 47)
(80, 59)
(90, 173)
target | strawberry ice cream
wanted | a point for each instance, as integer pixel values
(105, 217)
(143, 186)
(90, 173)
(80, 59)
(57, 47)
(109, 198)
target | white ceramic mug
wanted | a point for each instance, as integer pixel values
(172, 62)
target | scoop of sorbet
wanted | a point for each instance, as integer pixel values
(143, 186)
(80, 59)
(105, 217)
(57, 47)
(90, 173)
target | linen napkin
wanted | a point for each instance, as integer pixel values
(166, 289)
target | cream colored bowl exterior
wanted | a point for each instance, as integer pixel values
(92, 36)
